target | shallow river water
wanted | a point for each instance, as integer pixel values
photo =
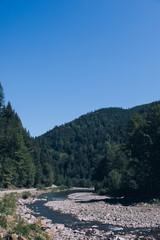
(40, 210)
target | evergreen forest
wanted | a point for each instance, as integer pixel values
(116, 150)
(22, 162)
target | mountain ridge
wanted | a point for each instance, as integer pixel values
(78, 146)
(104, 108)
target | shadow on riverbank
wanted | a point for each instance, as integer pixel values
(122, 201)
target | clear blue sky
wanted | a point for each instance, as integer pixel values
(60, 59)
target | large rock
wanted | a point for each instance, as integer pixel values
(1, 235)
(14, 236)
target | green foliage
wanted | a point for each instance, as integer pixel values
(40, 186)
(14, 224)
(22, 162)
(155, 201)
(33, 226)
(8, 204)
(144, 145)
(102, 191)
(22, 228)
(117, 149)
(3, 221)
(26, 195)
(110, 172)
(27, 230)
(1, 97)
(77, 147)
(61, 187)
(133, 168)
(38, 238)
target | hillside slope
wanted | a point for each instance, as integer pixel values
(77, 147)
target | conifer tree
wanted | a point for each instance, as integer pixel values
(1, 97)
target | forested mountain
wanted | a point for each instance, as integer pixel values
(22, 162)
(133, 168)
(78, 147)
(116, 150)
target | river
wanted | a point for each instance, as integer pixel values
(69, 221)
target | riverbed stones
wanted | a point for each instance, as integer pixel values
(143, 216)
(14, 236)
(81, 206)
(1, 235)
(21, 238)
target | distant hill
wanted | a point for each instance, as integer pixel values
(78, 146)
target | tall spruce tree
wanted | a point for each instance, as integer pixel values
(21, 161)
(1, 97)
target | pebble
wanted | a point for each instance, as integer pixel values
(81, 206)
(141, 216)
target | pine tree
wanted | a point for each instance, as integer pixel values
(1, 97)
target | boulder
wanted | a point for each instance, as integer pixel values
(14, 236)
(1, 235)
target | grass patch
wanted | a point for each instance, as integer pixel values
(3, 221)
(13, 223)
(30, 231)
(8, 204)
(22, 228)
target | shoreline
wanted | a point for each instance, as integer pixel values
(90, 207)
(36, 192)
(94, 208)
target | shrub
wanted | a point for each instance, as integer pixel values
(38, 238)
(22, 228)
(33, 226)
(3, 221)
(62, 187)
(102, 191)
(40, 186)
(26, 195)
(8, 204)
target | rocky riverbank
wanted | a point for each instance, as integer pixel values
(17, 221)
(89, 207)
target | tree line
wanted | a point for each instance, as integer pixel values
(116, 150)
(100, 149)
(132, 169)
(22, 162)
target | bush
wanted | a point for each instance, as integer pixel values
(26, 195)
(3, 221)
(14, 224)
(38, 238)
(28, 230)
(40, 186)
(22, 228)
(33, 226)
(102, 191)
(61, 187)
(8, 204)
